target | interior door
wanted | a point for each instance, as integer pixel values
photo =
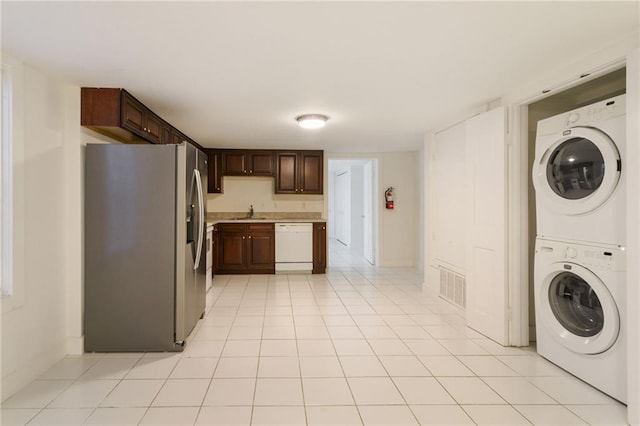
(368, 213)
(487, 299)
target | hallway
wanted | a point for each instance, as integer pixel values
(344, 258)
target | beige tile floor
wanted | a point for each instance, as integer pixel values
(359, 345)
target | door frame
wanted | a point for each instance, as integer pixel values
(518, 204)
(375, 198)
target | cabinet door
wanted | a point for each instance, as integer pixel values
(215, 243)
(215, 172)
(261, 252)
(132, 117)
(165, 133)
(319, 248)
(261, 163)
(177, 137)
(234, 163)
(310, 173)
(286, 172)
(152, 127)
(231, 250)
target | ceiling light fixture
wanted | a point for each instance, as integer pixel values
(312, 121)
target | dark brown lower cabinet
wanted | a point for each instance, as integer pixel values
(246, 248)
(319, 247)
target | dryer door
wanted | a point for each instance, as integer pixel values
(578, 172)
(578, 309)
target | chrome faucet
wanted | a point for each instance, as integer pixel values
(251, 211)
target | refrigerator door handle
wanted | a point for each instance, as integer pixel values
(196, 262)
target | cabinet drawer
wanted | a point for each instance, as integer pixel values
(232, 227)
(260, 227)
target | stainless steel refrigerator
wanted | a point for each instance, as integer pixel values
(145, 266)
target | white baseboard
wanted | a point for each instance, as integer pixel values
(31, 369)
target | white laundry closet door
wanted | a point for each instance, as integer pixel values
(486, 250)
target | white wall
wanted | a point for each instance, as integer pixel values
(430, 273)
(398, 240)
(422, 236)
(241, 192)
(43, 322)
(34, 331)
(330, 191)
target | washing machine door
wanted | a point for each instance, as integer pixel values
(578, 309)
(578, 172)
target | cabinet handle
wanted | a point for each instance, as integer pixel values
(144, 128)
(250, 171)
(244, 171)
(249, 236)
(302, 190)
(324, 227)
(218, 189)
(243, 237)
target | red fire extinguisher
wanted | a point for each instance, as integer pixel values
(388, 197)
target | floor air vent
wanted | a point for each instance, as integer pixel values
(453, 287)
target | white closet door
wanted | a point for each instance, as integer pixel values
(487, 304)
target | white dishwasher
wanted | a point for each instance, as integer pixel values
(294, 247)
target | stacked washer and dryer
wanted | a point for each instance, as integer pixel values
(579, 272)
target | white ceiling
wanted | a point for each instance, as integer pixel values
(235, 74)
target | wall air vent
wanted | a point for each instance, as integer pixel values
(453, 287)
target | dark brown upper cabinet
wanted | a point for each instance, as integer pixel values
(215, 171)
(177, 137)
(116, 113)
(247, 163)
(142, 121)
(299, 172)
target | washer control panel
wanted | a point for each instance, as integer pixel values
(583, 116)
(609, 258)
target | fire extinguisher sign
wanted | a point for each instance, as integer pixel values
(388, 198)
